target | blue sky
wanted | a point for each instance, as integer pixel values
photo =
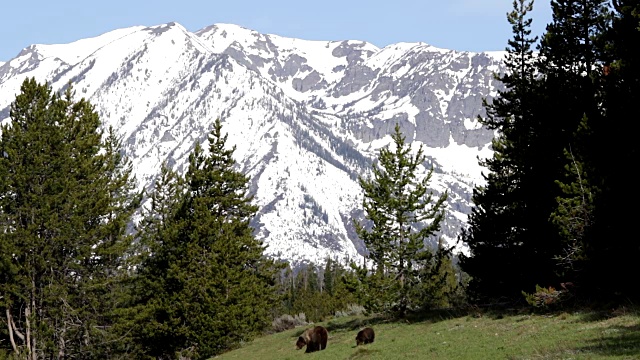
(470, 25)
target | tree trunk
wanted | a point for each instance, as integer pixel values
(28, 311)
(11, 326)
(61, 345)
(27, 320)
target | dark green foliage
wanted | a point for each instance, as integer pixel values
(206, 285)
(318, 294)
(65, 201)
(509, 235)
(572, 44)
(574, 216)
(537, 117)
(552, 208)
(402, 215)
(572, 63)
(144, 324)
(329, 276)
(611, 249)
(440, 285)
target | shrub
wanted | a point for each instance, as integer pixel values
(547, 297)
(351, 310)
(286, 322)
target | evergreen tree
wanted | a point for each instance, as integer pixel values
(575, 216)
(571, 46)
(499, 264)
(442, 288)
(329, 276)
(216, 287)
(611, 251)
(341, 297)
(312, 279)
(144, 324)
(309, 299)
(303, 294)
(403, 214)
(544, 119)
(571, 61)
(508, 233)
(286, 291)
(66, 199)
(511, 238)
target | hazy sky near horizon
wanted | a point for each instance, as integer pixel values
(465, 25)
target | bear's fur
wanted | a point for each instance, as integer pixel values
(365, 336)
(315, 339)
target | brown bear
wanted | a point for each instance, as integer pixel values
(315, 339)
(365, 336)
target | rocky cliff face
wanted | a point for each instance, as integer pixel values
(307, 117)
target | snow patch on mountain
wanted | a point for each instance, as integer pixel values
(307, 118)
(77, 51)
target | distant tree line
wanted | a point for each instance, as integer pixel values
(318, 292)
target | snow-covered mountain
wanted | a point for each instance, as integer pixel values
(307, 117)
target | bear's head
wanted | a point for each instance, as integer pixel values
(300, 343)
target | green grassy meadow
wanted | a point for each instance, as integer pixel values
(568, 335)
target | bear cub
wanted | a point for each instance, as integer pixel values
(315, 339)
(365, 336)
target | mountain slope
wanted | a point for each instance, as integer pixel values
(307, 117)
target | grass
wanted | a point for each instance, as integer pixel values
(512, 336)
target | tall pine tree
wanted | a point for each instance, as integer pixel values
(66, 199)
(611, 250)
(403, 214)
(545, 120)
(215, 288)
(572, 62)
(508, 233)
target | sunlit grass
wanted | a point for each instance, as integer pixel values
(575, 335)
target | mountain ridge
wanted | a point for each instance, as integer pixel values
(307, 117)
